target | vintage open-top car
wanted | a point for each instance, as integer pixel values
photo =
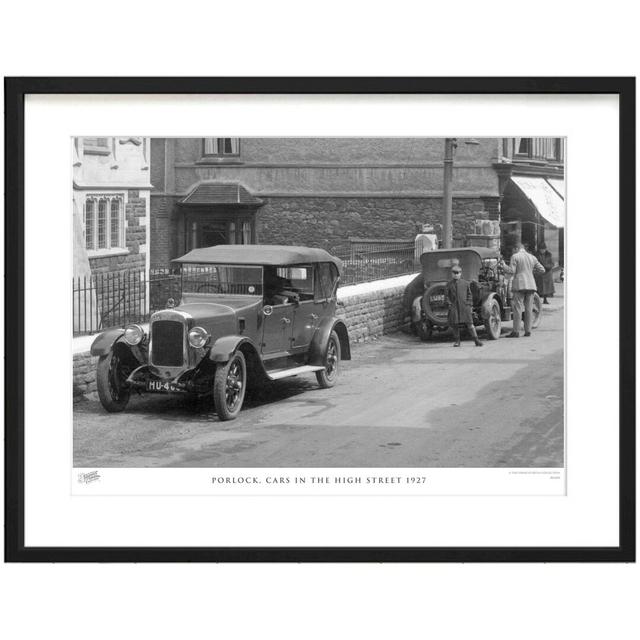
(490, 287)
(248, 312)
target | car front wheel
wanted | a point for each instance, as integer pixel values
(493, 322)
(536, 318)
(328, 376)
(229, 386)
(111, 379)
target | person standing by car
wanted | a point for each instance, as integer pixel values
(544, 281)
(523, 265)
(460, 302)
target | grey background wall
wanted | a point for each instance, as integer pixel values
(329, 222)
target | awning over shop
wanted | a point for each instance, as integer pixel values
(558, 185)
(545, 198)
(220, 193)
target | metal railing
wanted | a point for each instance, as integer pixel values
(105, 300)
(102, 301)
(370, 259)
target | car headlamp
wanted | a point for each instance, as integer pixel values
(133, 334)
(198, 337)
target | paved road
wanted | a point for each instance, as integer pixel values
(398, 403)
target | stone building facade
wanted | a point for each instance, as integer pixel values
(532, 190)
(312, 191)
(111, 213)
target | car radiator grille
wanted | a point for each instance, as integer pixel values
(167, 339)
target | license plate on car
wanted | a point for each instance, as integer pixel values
(161, 386)
(436, 299)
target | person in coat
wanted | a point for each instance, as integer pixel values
(523, 265)
(460, 300)
(544, 281)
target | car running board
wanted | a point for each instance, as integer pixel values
(277, 374)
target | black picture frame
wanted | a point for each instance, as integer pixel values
(15, 91)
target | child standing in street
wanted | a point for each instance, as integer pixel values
(460, 301)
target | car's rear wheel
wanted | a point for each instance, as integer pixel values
(328, 376)
(229, 386)
(536, 311)
(111, 377)
(493, 322)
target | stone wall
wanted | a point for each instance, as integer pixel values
(84, 376)
(329, 222)
(370, 310)
(370, 314)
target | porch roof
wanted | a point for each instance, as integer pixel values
(220, 193)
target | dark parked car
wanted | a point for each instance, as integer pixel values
(490, 287)
(248, 312)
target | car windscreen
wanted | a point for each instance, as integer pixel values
(222, 278)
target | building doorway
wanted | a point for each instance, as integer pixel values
(215, 213)
(210, 229)
(211, 233)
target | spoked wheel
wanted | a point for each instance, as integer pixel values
(537, 311)
(229, 386)
(424, 330)
(111, 379)
(328, 376)
(493, 322)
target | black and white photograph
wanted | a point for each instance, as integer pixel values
(318, 302)
(344, 328)
(320, 320)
